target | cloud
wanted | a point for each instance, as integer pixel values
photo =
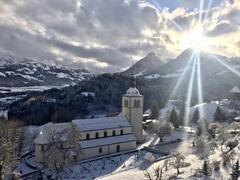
(223, 28)
(106, 35)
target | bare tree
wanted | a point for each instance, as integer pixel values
(162, 129)
(223, 137)
(157, 174)
(213, 128)
(235, 126)
(63, 147)
(177, 161)
(10, 142)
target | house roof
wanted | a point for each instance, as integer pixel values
(235, 90)
(107, 141)
(101, 123)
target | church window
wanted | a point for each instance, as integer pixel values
(114, 133)
(100, 150)
(105, 133)
(121, 132)
(42, 148)
(87, 136)
(136, 103)
(96, 135)
(126, 103)
(74, 157)
(118, 148)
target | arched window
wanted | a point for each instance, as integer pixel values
(126, 103)
(100, 150)
(136, 103)
(105, 133)
(96, 135)
(118, 148)
(87, 136)
(121, 132)
(113, 132)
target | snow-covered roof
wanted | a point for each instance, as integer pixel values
(48, 130)
(237, 118)
(101, 123)
(235, 90)
(133, 91)
(106, 141)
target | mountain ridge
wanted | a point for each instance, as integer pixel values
(17, 72)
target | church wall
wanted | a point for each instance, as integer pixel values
(39, 152)
(106, 150)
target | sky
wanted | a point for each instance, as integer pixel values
(108, 35)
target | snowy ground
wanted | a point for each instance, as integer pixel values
(134, 165)
(30, 88)
(192, 157)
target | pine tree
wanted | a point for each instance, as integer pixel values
(235, 171)
(173, 118)
(218, 114)
(196, 116)
(154, 110)
(182, 114)
(205, 169)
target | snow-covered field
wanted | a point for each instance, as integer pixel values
(30, 88)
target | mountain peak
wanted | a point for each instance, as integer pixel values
(150, 61)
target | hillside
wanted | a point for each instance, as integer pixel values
(67, 103)
(19, 72)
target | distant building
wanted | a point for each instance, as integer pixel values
(234, 102)
(96, 137)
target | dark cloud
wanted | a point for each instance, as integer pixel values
(90, 33)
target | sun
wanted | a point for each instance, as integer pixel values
(195, 40)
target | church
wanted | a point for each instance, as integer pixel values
(96, 137)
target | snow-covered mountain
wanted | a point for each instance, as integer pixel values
(149, 63)
(15, 71)
(152, 67)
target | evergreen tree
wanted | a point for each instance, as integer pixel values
(218, 114)
(235, 171)
(205, 169)
(196, 116)
(182, 114)
(154, 110)
(173, 118)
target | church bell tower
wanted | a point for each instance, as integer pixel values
(132, 109)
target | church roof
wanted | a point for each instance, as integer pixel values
(107, 140)
(101, 123)
(133, 91)
(235, 90)
(47, 131)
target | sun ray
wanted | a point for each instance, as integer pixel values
(157, 5)
(208, 9)
(234, 71)
(200, 11)
(189, 93)
(181, 77)
(199, 82)
(200, 95)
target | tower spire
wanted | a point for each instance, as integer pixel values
(132, 80)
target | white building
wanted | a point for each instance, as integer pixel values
(96, 137)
